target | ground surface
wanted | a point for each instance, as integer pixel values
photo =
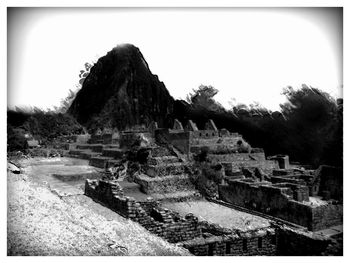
(315, 201)
(217, 214)
(43, 222)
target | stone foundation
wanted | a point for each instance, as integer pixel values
(164, 169)
(165, 184)
(285, 201)
(251, 243)
(150, 215)
(298, 243)
(100, 161)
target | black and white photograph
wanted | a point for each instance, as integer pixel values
(174, 131)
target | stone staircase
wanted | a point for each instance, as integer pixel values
(97, 154)
(165, 177)
(85, 151)
(108, 157)
(100, 161)
(83, 154)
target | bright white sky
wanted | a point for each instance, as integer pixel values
(249, 54)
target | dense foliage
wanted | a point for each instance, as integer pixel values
(308, 128)
(15, 139)
(203, 97)
(41, 125)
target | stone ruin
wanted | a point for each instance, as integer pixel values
(159, 165)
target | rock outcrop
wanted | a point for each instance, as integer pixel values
(121, 92)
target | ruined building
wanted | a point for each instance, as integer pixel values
(286, 210)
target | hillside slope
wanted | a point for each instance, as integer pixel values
(40, 223)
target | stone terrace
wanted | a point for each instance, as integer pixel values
(200, 237)
(161, 196)
(284, 200)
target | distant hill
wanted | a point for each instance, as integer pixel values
(121, 92)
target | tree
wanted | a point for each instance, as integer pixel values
(312, 117)
(84, 73)
(67, 101)
(204, 97)
(15, 139)
(309, 104)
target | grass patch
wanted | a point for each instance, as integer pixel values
(218, 214)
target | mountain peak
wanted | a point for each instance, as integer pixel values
(121, 92)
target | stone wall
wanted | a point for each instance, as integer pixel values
(154, 218)
(107, 138)
(258, 197)
(128, 139)
(238, 157)
(112, 152)
(160, 151)
(286, 179)
(179, 139)
(95, 139)
(252, 243)
(326, 216)
(192, 140)
(298, 243)
(204, 134)
(162, 160)
(165, 184)
(203, 238)
(164, 169)
(331, 182)
(245, 160)
(215, 143)
(283, 161)
(99, 161)
(92, 147)
(282, 202)
(82, 138)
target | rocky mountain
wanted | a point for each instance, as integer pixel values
(121, 92)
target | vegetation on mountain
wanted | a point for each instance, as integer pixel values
(308, 128)
(44, 126)
(121, 92)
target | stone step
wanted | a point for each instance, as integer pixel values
(100, 161)
(97, 148)
(179, 196)
(113, 152)
(111, 146)
(216, 141)
(83, 146)
(162, 160)
(112, 162)
(93, 147)
(129, 186)
(237, 157)
(74, 152)
(77, 176)
(161, 170)
(83, 154)
(166, 184)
